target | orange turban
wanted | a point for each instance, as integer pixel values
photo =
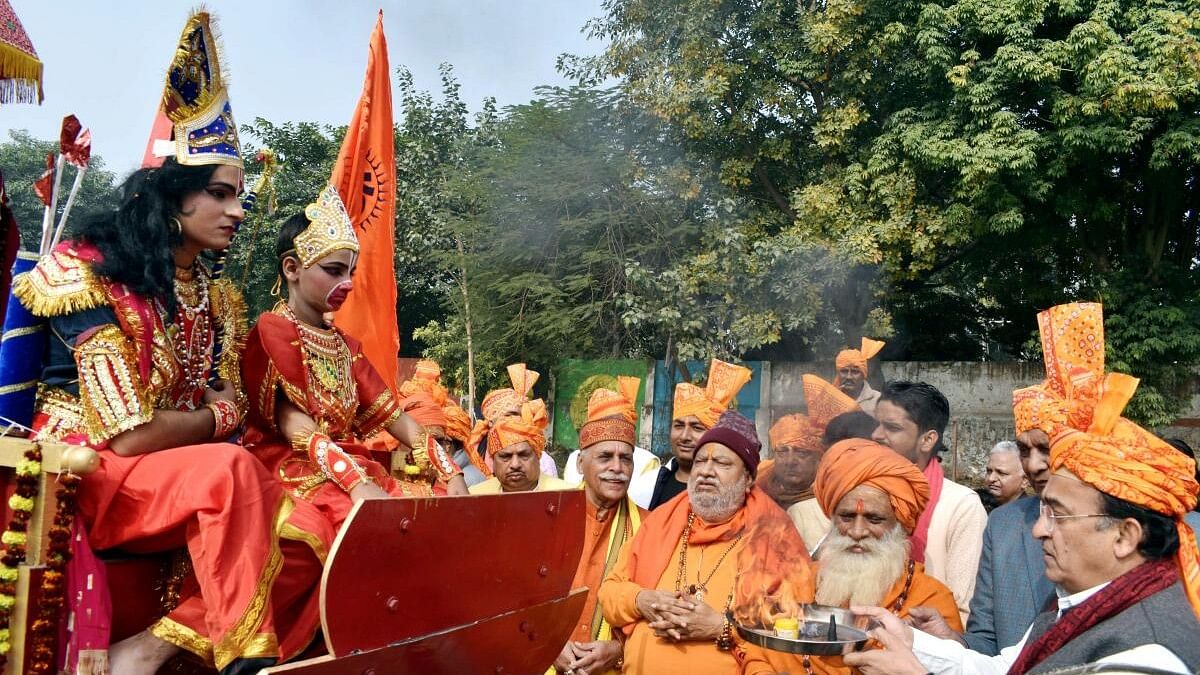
(611, 414)
(500, 402)
(856, 461)
(725, 380)
(423, 409)
(858, 358)
(427, 378)
(1123, 460)
(458, 423)
(529, 425)
(1073, 349)
(458, 427)
(825, 402)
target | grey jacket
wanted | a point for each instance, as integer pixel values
(1011, 587)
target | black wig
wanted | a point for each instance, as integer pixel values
(138, 238)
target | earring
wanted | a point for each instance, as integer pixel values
(178, 226)
(276, 288)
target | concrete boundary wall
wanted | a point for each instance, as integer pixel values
(980, 395)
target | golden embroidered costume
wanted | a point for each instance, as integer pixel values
(117, 359)
(114, 359)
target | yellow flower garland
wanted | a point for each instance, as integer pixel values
(15, 540)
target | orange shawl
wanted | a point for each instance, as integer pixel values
(773, 559)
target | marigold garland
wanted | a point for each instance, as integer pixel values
(44, 630)
(15, 540)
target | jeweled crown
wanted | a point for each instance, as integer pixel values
(329, 229)
(196, 102)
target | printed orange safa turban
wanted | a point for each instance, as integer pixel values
(529, 425)
(824, 402)
(856, 461)
(1123, 460)
(725, 380)
(611, 414)
(509, 400)
(458, 423)
(1073, 349)
(858, 358)
(423, 409)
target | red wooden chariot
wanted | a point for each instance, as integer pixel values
(438, 585)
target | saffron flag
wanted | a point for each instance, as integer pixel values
(365, 176)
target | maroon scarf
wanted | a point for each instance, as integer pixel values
(1125, 591)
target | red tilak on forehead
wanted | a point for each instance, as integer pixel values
(858, 506)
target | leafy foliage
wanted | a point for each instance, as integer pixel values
(988, 157)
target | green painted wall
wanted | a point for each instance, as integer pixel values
(574, 382)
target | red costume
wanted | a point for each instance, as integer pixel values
(112, 363)
(324, 373)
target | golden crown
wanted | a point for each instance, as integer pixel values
(196, 101)
(329, 229)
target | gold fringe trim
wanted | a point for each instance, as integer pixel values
(24, 73)
(92, 662)
(58, 286)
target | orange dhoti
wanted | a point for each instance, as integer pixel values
(217, 500)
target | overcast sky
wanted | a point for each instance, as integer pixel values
(297, 61)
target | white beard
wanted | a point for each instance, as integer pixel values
(717, 508)
(847, 578)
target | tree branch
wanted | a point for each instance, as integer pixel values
(760, 172)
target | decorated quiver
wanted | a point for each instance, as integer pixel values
(22, 347)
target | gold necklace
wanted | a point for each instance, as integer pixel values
(699, 588)
(327, 357)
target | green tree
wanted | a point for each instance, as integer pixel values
(989, 157)
(587, 232)
(547, 213)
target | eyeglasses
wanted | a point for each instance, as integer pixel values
(1052, 518)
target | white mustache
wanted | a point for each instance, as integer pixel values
(707, 481)
(612, 475)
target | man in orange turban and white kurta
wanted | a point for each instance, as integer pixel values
(605, 461)
(852, 371)
(516, 443)
(695, 411)
(796, 446)
(1116, 547)
(874, 497)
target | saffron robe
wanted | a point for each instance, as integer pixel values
(924, 590)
